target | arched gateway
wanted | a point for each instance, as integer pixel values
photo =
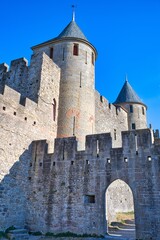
(119, 209)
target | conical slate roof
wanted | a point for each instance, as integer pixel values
(72, 31)
(127, 94)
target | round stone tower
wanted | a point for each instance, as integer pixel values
(75, 56)
(129, 100)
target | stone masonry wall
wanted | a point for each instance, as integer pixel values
(67, 189)
(76, 115)
(109, 118)
(20, 124)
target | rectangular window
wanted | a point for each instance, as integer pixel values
(133, 126)
(143, 110)
(75, 49)
(51, 53)
(89, 199)
(131, 108)
(92, 58)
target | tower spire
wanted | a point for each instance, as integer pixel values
(126, 78)
(73, 13)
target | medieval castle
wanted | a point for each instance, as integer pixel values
(63, 144)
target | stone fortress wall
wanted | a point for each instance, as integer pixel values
(110, 118)
(70, 185)
(21, 122)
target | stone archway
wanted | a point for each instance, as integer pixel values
(120, 209)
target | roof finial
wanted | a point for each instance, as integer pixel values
(73, 12)
(126, 78)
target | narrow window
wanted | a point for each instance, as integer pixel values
(80, 83)
(4, 108)
(92, 58)
(143, 110)
(51, 53)
(133, 126)
(87, 162)
(136, 143)
(74, 121)
(75, 49)
(54, 109)
(101, 98)
(115, 134)
(63, 54)
(131, 108)
(86, 58)
(97, 148)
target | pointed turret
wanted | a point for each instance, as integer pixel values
(72, 31)
(127, 95)
(75, 56)
(136, 109)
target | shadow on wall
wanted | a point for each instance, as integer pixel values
(13, 192)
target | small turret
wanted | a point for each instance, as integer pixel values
(136, 109)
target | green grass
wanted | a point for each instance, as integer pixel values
(35, 233)
(3, 235)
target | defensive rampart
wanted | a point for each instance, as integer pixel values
(67, 188)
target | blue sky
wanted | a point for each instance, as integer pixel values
(126, 34)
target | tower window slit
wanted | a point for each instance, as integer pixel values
(131, 108)
(63, 54)
(74, 121)
(54, 109)
(143, 111)
(97, 148)
(51, 53)
(86, 58)
(115, 134)
(80, 83)
(75, 49)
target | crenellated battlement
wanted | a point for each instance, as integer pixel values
(10, 101)
(135, 144)
(110, 118)
(105, 104)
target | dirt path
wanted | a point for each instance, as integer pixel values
(119, 230)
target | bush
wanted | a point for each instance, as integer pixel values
(35, 233)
